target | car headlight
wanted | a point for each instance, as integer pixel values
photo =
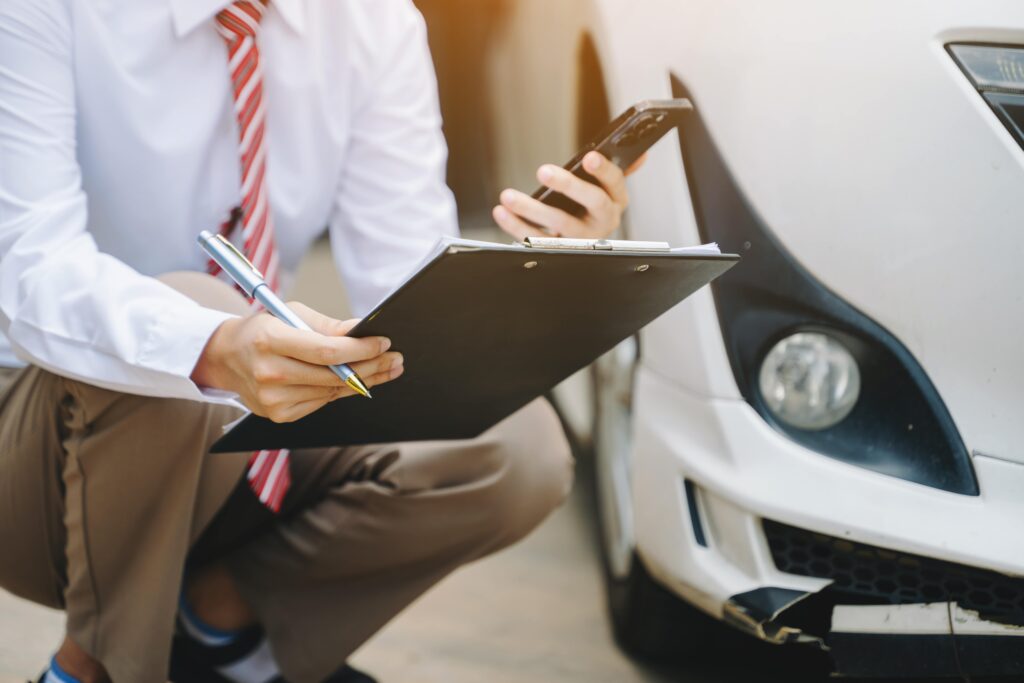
(997, 71)
(809, 380)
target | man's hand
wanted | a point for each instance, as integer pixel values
(604, 203)
(279, 372)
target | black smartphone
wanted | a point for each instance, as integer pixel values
(624, 140)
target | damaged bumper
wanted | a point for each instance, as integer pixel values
(886, 641)
(708, 478)
(937, 639)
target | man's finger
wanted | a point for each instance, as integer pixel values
(319, 349)
(288, 371)
(539, 213)
(374, 380)
(291, 395)
(611, 177)
(310, 399)
(321, 323)
(591, 196)
(300, 410)
(377, 366)
(514, 225)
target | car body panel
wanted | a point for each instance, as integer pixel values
(894, 157)
(865, 150)
(729, 452)
(861, 112)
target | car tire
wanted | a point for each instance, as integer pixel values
(648, 621)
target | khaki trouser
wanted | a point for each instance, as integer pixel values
(104, 497)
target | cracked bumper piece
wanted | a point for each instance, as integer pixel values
(757, 612)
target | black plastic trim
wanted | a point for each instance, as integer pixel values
(1010, 110)
(695, 518)
(900, 425)
(768, 602)
(991, 655)
(878, 655)
(867, 574)
(887, 655)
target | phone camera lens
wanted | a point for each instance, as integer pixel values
(628, 138)
(646, 129)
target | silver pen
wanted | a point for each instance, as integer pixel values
(245, 275)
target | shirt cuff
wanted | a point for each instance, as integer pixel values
(175, 342)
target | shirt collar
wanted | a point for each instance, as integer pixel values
(188, 14)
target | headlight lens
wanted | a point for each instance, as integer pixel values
(997, 71)
(992, 67)
(810, 381)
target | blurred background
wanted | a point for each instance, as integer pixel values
(496, 60)
(461, 34)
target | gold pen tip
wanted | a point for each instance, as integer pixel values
(358, 386)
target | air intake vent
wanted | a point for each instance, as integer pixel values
(885, 576)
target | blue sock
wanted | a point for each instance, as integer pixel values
(58, 675)
(201, 632)
(240, 656)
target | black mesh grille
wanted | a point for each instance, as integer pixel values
(892, 577)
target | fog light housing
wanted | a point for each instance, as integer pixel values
(809, 380)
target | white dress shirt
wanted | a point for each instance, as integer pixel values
(118, 144)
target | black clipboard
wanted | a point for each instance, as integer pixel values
(486, 328)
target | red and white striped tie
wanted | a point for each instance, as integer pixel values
(269, 474)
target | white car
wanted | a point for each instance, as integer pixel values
(826, 446)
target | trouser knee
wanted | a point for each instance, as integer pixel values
(150, 449)
(536, 468)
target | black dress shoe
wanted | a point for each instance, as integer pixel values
(191, 662)
(188, 665)
(347, 674)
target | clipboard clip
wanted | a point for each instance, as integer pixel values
(594, 245)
